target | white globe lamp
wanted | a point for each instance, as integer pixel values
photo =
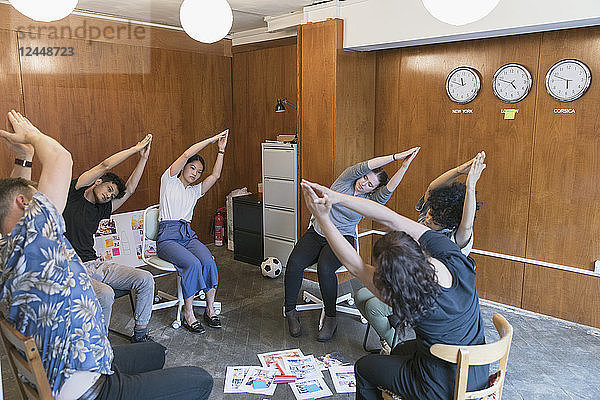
(459, 12)
(206, 21)
(45, 10)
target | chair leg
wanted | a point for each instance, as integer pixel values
(177, 323)
(371, 351)
(131, 302)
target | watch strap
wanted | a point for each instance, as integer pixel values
(23, 163)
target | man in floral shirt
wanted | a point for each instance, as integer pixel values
(45, 292)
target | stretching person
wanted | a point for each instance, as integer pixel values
(94, 196)
(430, 286)
(367, 180)
(448, 207)
(176, 242)
(48, 295)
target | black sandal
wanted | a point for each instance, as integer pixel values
(213, 322)
(196, 327)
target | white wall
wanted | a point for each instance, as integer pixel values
(377, 24)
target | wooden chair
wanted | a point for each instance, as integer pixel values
(25, 361)
(483, 354)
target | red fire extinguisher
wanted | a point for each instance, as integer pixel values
(220, 226)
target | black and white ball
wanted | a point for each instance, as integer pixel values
(271, 267)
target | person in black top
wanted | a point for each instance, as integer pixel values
(430, 286)
(93, 197)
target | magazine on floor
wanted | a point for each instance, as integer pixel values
(310, 388)
(331, 360)
(234, 378)
(274, 358)
(302, 367)
(343, 378)
(259, 380)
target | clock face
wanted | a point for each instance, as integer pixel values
(463, 84)
(567, 80)
(512, 83)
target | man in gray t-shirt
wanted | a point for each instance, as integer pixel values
(365, 179)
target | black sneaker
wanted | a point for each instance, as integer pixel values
(143, 339)
(213, 322)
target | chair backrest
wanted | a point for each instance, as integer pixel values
(151, 222)
(483, 354)
(150, 227)
(25, 361)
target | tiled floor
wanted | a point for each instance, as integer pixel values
(550, 359)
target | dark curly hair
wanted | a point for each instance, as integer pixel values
(446, 204)
(114, 178)
(404, 277)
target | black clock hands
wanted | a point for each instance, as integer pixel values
(511, 82)
(564, 79)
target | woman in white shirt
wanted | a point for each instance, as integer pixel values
(177, 242)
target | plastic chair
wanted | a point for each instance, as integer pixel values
(315, 303)
(25, 362)
(150, 232)
(483, 354)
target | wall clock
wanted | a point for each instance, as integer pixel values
(568, 80)
(512, 83)
(463, 84)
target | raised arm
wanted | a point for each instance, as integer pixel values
(320, 208)
(134, 178)
(23, 152)
(465, 228)
(370, 209)
(397, 177)
(178, 164)
(383, 160)
(216, 172)
(449, 176)
(90, 176)
(56, 160)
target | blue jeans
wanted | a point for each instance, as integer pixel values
(139, 375)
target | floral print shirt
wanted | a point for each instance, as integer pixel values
(46, 293)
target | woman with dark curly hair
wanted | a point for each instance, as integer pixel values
(429, 284)
(448, 207)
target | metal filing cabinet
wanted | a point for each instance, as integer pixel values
(247, 229)
(280, 205)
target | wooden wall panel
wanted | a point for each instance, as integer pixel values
(388, 112)
(10, 82)
(564, 221)
(499, 280)
(320, 45)
(539, 189)
(108, 96)
(562, 294)
(260, 77)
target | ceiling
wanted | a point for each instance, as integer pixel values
(247, 14)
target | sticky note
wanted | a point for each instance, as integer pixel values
(109, 242)
(509, 113)
(116, 252)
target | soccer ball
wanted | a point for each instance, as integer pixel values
(271, 267)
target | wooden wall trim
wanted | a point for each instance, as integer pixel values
(77, 27)
(288, 41)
